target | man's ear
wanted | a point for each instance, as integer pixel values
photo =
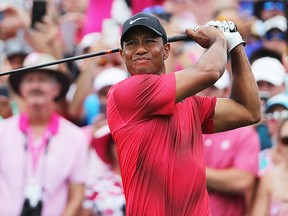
(166, 51)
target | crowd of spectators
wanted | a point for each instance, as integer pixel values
(77, 27)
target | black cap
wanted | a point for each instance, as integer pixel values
(142, 19)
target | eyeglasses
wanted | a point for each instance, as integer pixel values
(103, 61)
(284, 140)
(277, 115)
(268, 6)
(275, 35)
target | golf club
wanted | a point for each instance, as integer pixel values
(176, 38)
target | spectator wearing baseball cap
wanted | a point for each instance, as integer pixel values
(276, 109)
(84, 103)
(275, 34)
(104, 191)
(270, 75)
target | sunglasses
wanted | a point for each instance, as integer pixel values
(103, 61)
(268, 6)
(284, 140)
(277, 115)
(275, 35)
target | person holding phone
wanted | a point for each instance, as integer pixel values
(13, 17)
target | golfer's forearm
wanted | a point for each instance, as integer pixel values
(244, 88)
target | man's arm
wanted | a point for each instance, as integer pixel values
(243, 106)
(75, 199)
(230, 180)
(261, 199)
(210, 66)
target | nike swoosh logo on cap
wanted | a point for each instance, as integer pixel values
(133, 21)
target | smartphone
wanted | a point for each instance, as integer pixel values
(39, 8)
(68, 31)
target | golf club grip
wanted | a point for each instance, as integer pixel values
(182, 37)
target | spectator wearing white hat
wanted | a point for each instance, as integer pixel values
(275, 34)
(84, 104)
(276, 110)
(270, 76)
(104, 191)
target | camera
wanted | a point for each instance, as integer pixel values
(28, 210)
(32, 205)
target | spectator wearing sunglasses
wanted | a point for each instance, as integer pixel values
(275, 32)
(270, 76)
(272, 193)
(276, 110)
(268, 9)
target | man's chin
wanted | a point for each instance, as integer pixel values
(35, 100)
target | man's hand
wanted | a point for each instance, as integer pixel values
(229, 29)
(14, 19)
(205, 36)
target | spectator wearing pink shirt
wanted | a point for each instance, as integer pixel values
(42, 155)
(231, 163)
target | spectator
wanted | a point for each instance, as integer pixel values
(16, 49)
(272, 193)
(84, 103)
(270, 76)
(14, 18)
(276, 110)
(231, 163)
(104, 191)
(7, 106)
(43, 156)
(275, 33)
(267, 9)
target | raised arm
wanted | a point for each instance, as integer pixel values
(209, 68)
(243, 106)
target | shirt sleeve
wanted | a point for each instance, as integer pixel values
(143, 96)
(206, 106)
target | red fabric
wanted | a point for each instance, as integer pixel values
(159, 145)
(138, 6)
(101, 145)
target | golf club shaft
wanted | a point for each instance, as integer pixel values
(176, 38)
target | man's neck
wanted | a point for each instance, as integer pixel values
(39, 117)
